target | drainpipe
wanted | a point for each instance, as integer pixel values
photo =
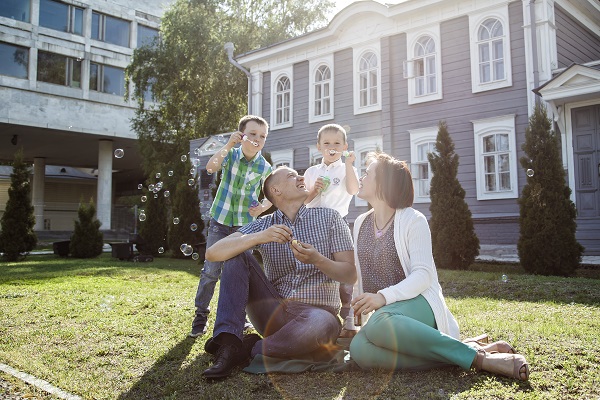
(229, 49)
(534, 47)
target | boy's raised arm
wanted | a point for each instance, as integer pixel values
(214, 163)
(351, 179)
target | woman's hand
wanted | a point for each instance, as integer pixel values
(367, 302)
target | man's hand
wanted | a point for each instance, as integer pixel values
(277, 234)
(305, 253)
(367, 302)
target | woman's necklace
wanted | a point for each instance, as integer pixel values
(379, 232)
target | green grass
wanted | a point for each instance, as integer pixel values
(109, 329)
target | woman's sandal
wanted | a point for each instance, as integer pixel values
(497, 347)
(482, 342)
(510, 365)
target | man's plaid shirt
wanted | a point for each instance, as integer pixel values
(322, 228)
(241, 181)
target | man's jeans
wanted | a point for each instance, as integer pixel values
(289, 328)
(212, 270)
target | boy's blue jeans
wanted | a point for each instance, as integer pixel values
(211, 271)
(289, 328)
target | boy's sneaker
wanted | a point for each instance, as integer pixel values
(198, 326)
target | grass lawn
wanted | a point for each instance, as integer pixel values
(109, 329)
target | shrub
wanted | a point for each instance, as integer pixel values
(17, 237)
(87, 240)
(547, 243)
(455, 244)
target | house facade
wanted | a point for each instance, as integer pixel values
(389, 74)
(62, 86)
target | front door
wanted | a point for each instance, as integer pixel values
(586, 149)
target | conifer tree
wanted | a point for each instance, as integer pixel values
(185, 223)
(547, 243)
(455, 244)
(153, 225)
(17, 237)
(86, 240)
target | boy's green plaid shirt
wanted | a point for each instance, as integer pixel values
(241, 182)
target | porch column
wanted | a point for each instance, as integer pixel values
(37, 194)
(104, 196)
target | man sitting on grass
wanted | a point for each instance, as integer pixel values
(294, 302)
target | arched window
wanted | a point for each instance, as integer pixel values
(283, 102)
(490, 46)
(425, 66)
(322, 91)
(368, 71)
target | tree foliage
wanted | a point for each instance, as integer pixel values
(17, 237)
(86, 240)
(196, 90)
(547, 243)
(455, 244)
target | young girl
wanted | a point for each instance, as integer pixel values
(411, 326)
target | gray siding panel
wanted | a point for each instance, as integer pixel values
(574, 42)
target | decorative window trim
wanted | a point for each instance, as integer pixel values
(475, 20)
(282, 156)
(504, 124)
(411, 39)
(418, 137)
(275, 76)
(357, 53)
(361, 145)
(313, 65)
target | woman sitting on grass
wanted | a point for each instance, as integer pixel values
(411, 327)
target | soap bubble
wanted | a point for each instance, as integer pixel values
(167, 193)
(195, 256)
(119, 153)
(504, 278)
(161, 250)
(224, 152)
(530, 172)
(156, 195)
(192, 171)
(194, 227)
(188, 250)
(211, 146)
(170, 173)
(182, 247)
(140, 186)
(183, 158)
(142, 217)
(176, 220)
(144, 198)
(190, 182)
(151, 187)
(157, 175)
(203, 218)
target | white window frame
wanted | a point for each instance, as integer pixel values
(371, 143)
(504, 124)
(279, 157)
(412, 38)
(417, 138)
(313, 66)
(475, 21)
(314, 153)
(357, 54)
(275, 76)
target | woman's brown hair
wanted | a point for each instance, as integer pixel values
(393, 180)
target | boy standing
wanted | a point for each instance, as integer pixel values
(236, 202)
(332, 184)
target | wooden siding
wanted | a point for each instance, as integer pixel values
(574, 42)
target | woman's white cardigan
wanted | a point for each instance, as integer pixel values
(413, 244)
